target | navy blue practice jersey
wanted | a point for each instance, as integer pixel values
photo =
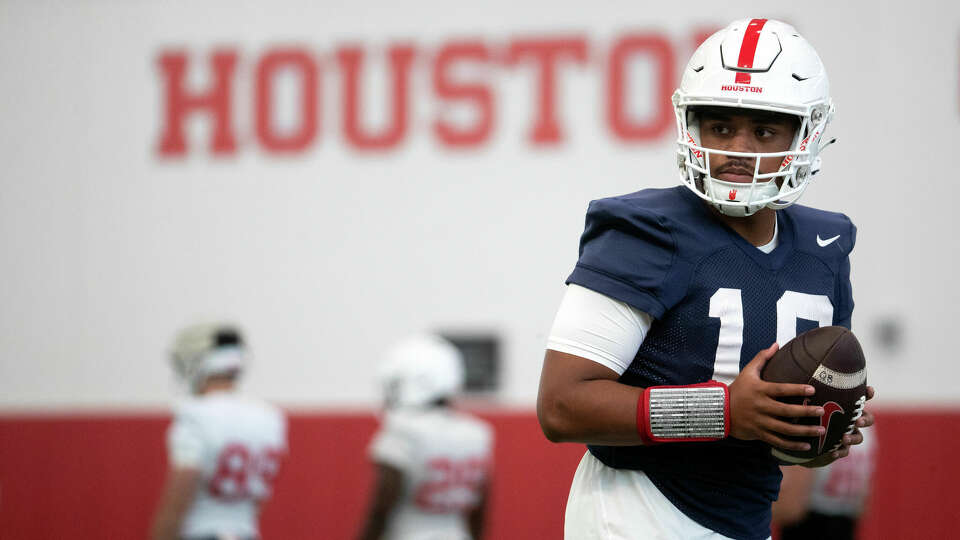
(717, 301)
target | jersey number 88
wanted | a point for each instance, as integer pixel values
(242, 473)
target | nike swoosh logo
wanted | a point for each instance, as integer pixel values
(829, 409)
(827, 242)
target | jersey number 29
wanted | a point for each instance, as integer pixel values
(452, 485)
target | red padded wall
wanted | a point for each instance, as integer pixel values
(94, 477)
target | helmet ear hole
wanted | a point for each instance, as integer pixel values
(817, 115)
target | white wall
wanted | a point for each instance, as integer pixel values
(326, 256)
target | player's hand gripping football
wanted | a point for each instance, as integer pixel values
(865, 421)
(755, 413)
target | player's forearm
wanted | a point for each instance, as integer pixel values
(374, 527)
(791, 505)
(178, 495)
(165, 526)
(476, 518)
(475, 521)
(597, 411)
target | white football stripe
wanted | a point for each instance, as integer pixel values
(781, 455)
(836, 379)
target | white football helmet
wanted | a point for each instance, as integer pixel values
(421, 369)
(754, 64)
(207, 349)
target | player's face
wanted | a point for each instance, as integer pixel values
(745, 131)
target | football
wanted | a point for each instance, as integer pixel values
(829, 359)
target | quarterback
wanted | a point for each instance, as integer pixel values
(432, 462)
(680, 296)
(224, 450)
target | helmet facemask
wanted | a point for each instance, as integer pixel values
(775, 190)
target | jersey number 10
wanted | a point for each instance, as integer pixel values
(727, 305)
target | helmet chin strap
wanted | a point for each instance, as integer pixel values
(736, 192)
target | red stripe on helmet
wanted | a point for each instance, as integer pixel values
(748, 49)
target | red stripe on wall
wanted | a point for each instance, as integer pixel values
(99, 477)
(748, 49)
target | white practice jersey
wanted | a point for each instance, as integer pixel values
(446, 458)
(237, 444)
(842, 488)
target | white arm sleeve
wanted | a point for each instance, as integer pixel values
(394, 444)
(596, 327)
(185, 445)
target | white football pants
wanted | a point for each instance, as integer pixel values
(621, 504)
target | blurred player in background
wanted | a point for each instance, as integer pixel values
(224, 450)
(679, 293)
(432, 462)
(826, 503)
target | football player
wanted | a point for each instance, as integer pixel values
(680, 295)
(224, 450)
(827, 502)
(432, 462)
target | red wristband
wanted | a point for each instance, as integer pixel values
(687, 413)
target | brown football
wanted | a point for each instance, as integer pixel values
(829, 359)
